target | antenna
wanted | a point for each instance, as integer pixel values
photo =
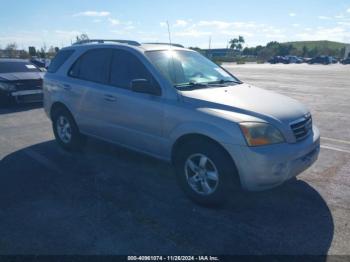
(172, 56)
(167, 22)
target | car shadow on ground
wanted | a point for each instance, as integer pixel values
(108, 200)
(15, 108)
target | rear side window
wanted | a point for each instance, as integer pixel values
(93, 66)
(59, 59)
(126, 67)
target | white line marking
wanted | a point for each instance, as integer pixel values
(336, 140)
(335, 149)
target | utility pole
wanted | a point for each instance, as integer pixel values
(209, 42)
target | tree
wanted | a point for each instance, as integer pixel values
(11, 49)
(237, 43)
(32, 51)
(81, 37)
(314, 52)
(305, 51)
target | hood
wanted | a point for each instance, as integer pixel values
(248, 100)
(21, 76)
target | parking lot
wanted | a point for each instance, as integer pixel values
(107, 200)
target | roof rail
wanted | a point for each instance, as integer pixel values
(101, 41)
(177, 45)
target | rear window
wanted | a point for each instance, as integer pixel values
(59, 59)
(93, 66)
(17, 67)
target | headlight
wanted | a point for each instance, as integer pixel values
(259, 134)
(7, 87)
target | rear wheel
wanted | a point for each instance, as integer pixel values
(66, 131)
(206, 172)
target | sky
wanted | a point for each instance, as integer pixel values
(192, 23)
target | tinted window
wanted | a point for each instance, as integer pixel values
(93, 66)
(17, 66)
(59, 59)
(125, 68)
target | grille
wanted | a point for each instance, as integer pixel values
(29, 98)
(302, 128)
(22, 85)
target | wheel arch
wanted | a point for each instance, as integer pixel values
(183, 139)
(56, 106)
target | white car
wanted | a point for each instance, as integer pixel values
(174, 104)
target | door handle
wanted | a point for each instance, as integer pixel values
(110, 98)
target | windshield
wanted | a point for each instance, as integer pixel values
(16, 67)
(188, 69)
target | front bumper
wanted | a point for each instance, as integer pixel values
(269, 166)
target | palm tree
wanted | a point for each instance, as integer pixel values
(237, 43)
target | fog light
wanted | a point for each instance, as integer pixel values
(279, 169)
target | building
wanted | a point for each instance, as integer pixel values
(6, 53)
(219, 52)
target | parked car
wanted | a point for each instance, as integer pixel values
(38, 63)
(325, 60)
(294, 59)
(20, 81)
(41, 63)
(346, 61)
(278, 59)
(174, 104)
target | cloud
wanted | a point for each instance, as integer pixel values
(322, 17)
(344, 23)
(181, 23)
(337, 33)
(192, 33)
(348, 10)
(215, 23)
(114, 21)
(93, 14)
(292, 14)
(163, 24)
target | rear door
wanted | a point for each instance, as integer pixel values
(90, 75)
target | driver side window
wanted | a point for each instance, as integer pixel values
(126, 67)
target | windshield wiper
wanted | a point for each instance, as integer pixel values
(191, 85)
(222, 81)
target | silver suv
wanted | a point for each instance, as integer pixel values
(174, 104)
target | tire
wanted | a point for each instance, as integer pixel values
(66, 131)
(208, 158)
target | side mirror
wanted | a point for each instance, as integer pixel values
(144, 86)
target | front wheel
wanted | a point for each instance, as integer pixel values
(66, 131)
(206, 172)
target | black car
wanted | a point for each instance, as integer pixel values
(346, 61)
(38, 63)
(325, 60)
(20, 82)
(279, 59)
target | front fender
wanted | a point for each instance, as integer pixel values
(227, 134)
